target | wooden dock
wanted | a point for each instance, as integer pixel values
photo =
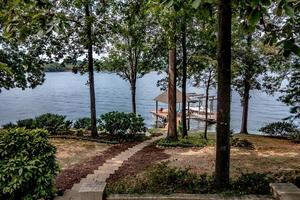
(163, 116)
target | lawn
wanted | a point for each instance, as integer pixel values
(279, 158)
(270, 155)
(70, 152)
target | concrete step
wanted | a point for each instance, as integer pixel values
(92, 190)
(186, 197)
(285, 191)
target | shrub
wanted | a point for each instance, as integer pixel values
(83, 123)
(27, 164)
(9, 125)
(122, 125)
(243, 143)
(163, 179)
(27, 123)
(283, 129)
(192, 140)
(137, 124)
(53, 123)
(295, 136)
(252, 183)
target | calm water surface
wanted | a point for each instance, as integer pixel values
(67, 94)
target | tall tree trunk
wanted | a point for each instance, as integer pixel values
(172, 114)
(91, 72)
(184, 68)
(244, 127)
(206, 104)
(133, 95)
(224, 94)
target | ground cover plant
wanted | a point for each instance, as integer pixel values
(27, 164)
(192, 140)
(163, 179)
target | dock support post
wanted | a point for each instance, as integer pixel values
(189, 118)
(156, 121)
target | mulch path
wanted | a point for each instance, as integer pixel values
(68, 177)
(139, 162)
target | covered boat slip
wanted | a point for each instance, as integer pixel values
(195, 109)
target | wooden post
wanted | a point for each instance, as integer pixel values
(156, 121)
(189, 116)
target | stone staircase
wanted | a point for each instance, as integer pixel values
(92, 187)
(285, 191)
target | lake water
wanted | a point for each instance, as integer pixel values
(67, 94)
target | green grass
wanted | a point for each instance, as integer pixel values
(195, 139)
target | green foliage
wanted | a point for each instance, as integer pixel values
(27, 164)
(57, 67)
(53, 123)
(295, 136)
(9, 125)
(163, 179)
(243, 143)
(292, 94)
(192, 140)
(122, 125)
(27, 123)
(83, 123)
(283, 129)
(252, 183)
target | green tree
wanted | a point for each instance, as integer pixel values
(291, 95)
(249, 66)
(80, 30)
(21, 48)
(133, 51)
(166, 13)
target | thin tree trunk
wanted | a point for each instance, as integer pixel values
(224, 94)
(184, 68)
(206, 104)
(244, 127)
(172, 115)
(91, 73)
(133, 95)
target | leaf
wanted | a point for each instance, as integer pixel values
(289, 10)
(196, 4)
(254, 17)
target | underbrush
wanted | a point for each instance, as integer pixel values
(282, 129)
(192, 140)
(242, 143)
(113, 126)
(162, 179)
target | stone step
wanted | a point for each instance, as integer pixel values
(98, 176)
(92, 190)
(187, 197)
(92, 187)
(285, 191)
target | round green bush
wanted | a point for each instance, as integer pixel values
(53, 123)
(122, 125)
(27, 164)
(83, 123)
